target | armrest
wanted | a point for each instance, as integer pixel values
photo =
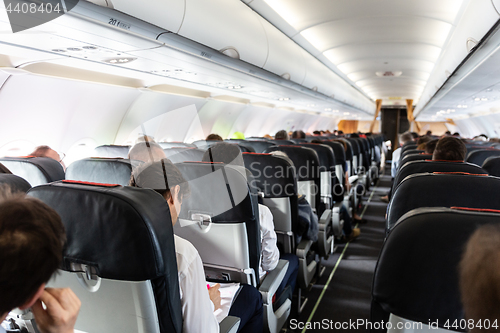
(303, 248)
(353, 179)
(325, 219)
(272, 281)
(229, 324)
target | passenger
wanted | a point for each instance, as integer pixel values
(270, 255)
(281, 135)
(3, 169)
(431, 146)
(429, 133)
(450, 148)
(198, 304)
(479, 278)
(146, 152)
(214, 137)
(456, 135)
(46, 151)
(422, 141)
(31, 246)
(317, 133)
(298, 135)
(267, 136)
(415, 136)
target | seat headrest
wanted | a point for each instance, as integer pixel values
(282, 142)
(325, 155)
(112, 151)
(274, 175)
(179, 155)
(479, 156)
(443, 190)
(36, 170)
(492, 166)
(100, 170)
(167, 145)
(355, 145)
(415, 157)
(124, 233)
(416, 277)
(16, 183)
(305, 160)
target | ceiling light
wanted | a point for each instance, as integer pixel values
(328, 109)
(119, 60)
(484, 99)
(477, 99)
(346, 113)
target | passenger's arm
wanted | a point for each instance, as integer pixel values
(269, 250)
(62, 307)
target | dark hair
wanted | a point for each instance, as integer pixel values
(449, 148)
(298, 135)
(31, 245)
(224, 152)
(414, 135)
(479, 275)
(3, 169)
(316, 141)
(40, 151)
(340, 132)
(214, 137)
(431, 146)
(281, 135)
(405, 137)
(160, 176)
(317, 133)
(428, 133)
(423, 139)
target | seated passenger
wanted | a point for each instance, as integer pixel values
(31, 246)
(3, 169)
(450, 148)
(214, 137)
(430, 146)
(46, 151)
(146, 151)
(422, 141)
(198, 304)
(298, 135)
(480, 278)
(281, 135)
(270, 255)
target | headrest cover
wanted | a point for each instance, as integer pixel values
(492, 166)
(325, 155)
(479, 156)
(16, 183)
(112, 151)
(338, 150)
(258, 146)
(125, 233)
(305, 160)
(98, 170)
(36, 170)
(179, 155)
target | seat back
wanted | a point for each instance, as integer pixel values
(205, 144)
(275, 179)
(297, 141)
(408, 146)
(167, 145)
(416, 276)
(16, 183)
(111, 151)
(35, 170)
(443, 190)
(349, 153)
(415, 167)
(478, 157)
(258, 145)
(220, 218)
(340, 159)
(179, 155)
(100, 170)
(492, 166)
(412, 152)
(306, 163)
(415, 157)
(356, 156)
(282, 142)
(119, 258)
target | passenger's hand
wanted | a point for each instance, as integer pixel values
(62, 307)
(214, 294)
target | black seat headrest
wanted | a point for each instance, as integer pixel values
(305, 160)
(411, 152)
(443, 190)
(167, 145)
(282, 142)
(415, 157)
(179, 155)
(258, 145)
(36, 170)
(479, 156)
(16, 183)
(356, 150)
(338, 151)
(325, 155)
(100, 170)
(416, 277)
(205, 144)
(492, 166)
(112, 151)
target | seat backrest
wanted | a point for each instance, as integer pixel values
(35, 170)
(282, 142)
(258, 146)
(415, 157)
(297, 141)
(119, 258)
(340, 159)
(349, 153)
(100, 170)
(178, 155)
(412, 152)
(479, 156)
(416, 276)
(408, 146)
(205, 144)
(492, 166)
(167, 145)
(414, 167)
(443, 190)
(111, 151)
(306, 163)
(220, 218)
(16, 183)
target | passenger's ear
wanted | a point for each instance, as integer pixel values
(33, 299)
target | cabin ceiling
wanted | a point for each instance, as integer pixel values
(387, 48)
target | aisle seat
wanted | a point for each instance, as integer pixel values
(16, 183)
(111, 151)
(167, 145)
(100, 170)
(478, 157)
(35, 170)
(492, 166)
(178, 155)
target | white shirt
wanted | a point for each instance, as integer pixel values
(396, 156)
(270, 255)
(197, 308)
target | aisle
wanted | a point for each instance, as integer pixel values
(344, 297)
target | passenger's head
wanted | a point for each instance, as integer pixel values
(214, 137)
(224, 152)
(31, 246)
(450, 148)
(480, 276)
(46, 151)
(317, 132)
(298, 135)
(146, 152)
(281, 135)
(414, 136)
(166, 179)
(428, 133)
(405, 137)
(423, 139)
(431, 146)
(3, 169)
(145, 138)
